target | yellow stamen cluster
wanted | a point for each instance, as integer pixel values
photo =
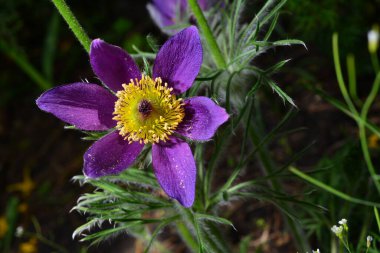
(137, 123)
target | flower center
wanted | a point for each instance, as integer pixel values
(147, 111)
(145, 108)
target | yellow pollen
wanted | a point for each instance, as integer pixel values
(146, 111)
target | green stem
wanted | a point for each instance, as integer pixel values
(53, 245)
(187, 236)
(339, 105)
(339, 75)
(345, 244)
(375, 62)
(73, 23)
(209, 37)
(377, 216)
(351, 71)
(46, 241)
(362, 130)
(365, 109)
(198, 154)
(331, 189)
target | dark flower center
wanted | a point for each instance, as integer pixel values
(192, 20)
(145, 108)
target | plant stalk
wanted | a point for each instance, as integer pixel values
(362, 130)
(209, 37)
(73, 23)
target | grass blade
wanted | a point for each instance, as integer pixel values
(331, 189)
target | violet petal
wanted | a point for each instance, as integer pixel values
(179, 60)
(110, 155)
(112, 64)
(161, 19)
(166, 12)
(207, 4)
(84, 105)
(202, 118)
(204, 4)
(174, 167)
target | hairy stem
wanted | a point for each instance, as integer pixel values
(73, 23)
(209, 37)
(186, 236)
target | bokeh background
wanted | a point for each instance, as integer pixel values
(38, 157)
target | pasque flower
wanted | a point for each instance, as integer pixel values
(166, 13)
(145, 110)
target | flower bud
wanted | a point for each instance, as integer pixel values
(19, 231)
(337, 230)
(373, 39)
(343, 222)
(369, 240)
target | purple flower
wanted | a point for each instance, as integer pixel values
(166, 13)
(145, 110)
